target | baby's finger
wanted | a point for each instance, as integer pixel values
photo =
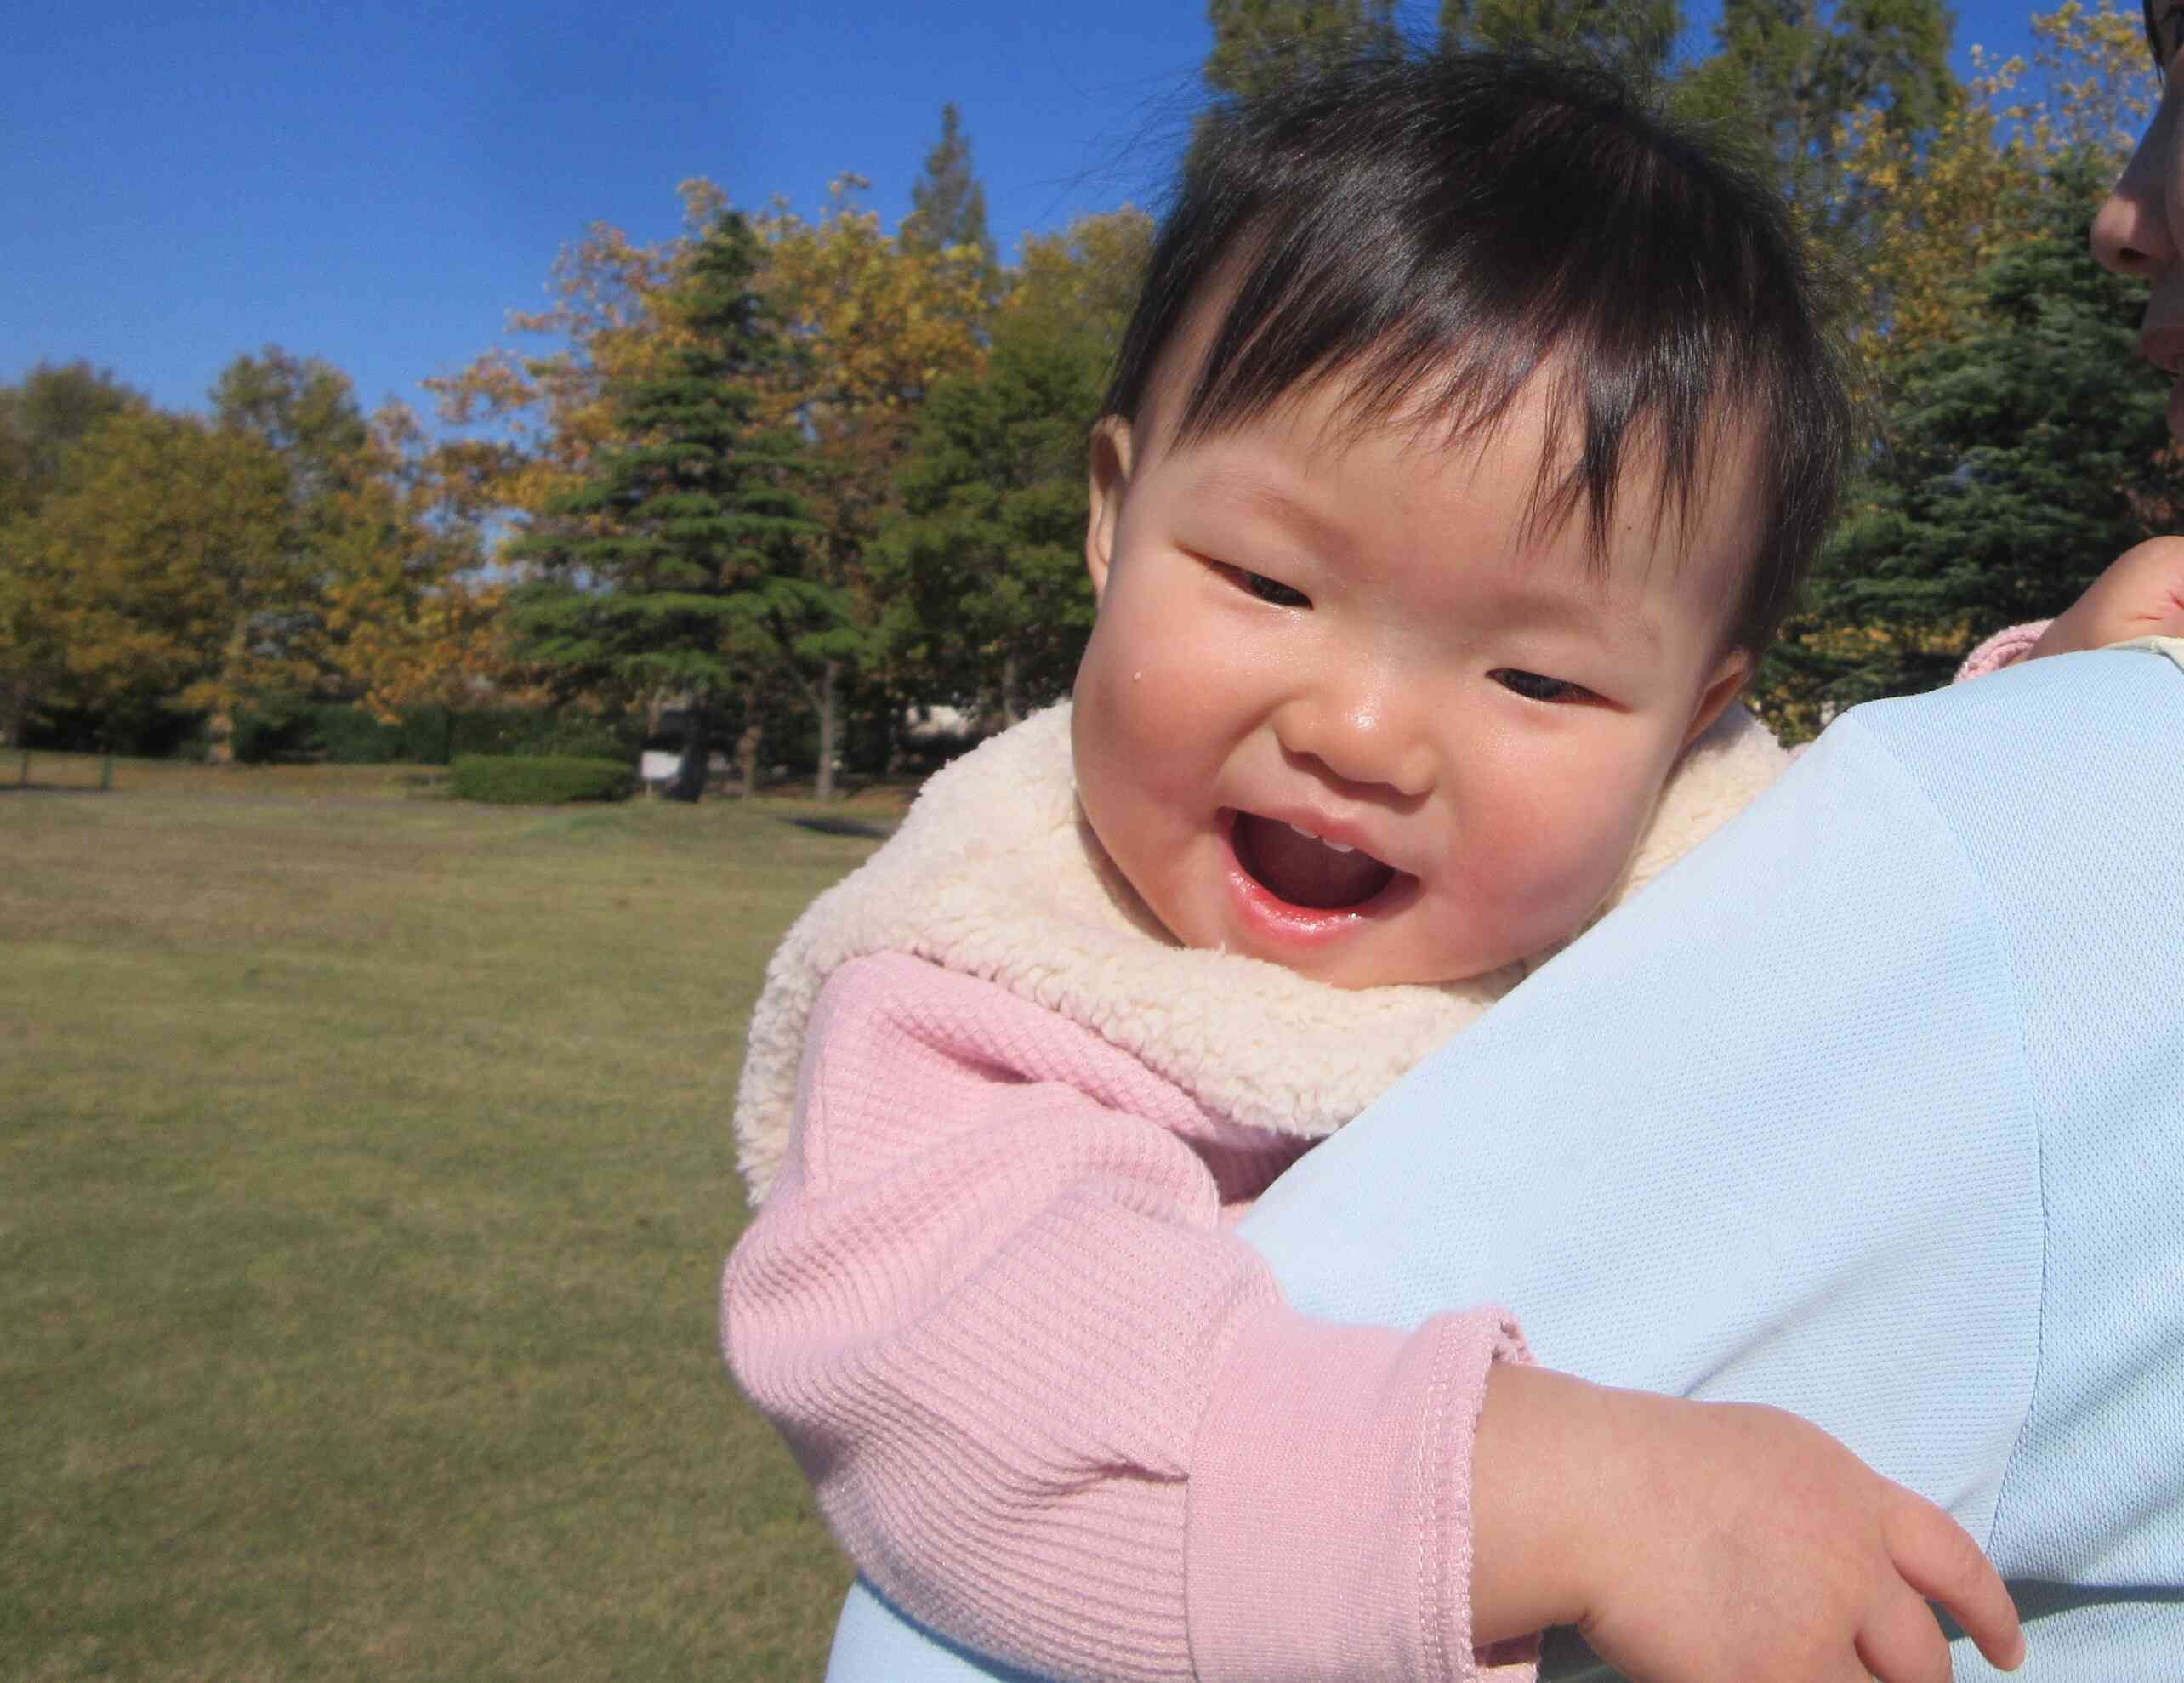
(1937, 1558)
(1902, 1642)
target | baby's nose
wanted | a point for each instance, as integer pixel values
(1361, 739)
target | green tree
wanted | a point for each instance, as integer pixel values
(40, 419)
(948, 202)
(981, 565)
(161, 562)
(983, 573)
(304, 408)
(1635, 39)
(1259, 44)
(340, 508)
(2020, 457)
(1791, 74)
(679, 561)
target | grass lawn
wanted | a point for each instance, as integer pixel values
(364, 1179)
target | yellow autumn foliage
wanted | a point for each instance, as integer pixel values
(1947, 204)
(875, 321)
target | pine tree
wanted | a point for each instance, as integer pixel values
(2020, 458)
(1633, 40)
(678, 564)
(1258, 44)
(947, 203)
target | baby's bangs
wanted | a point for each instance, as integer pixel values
(1643, 324)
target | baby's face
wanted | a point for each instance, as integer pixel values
(1343, 711)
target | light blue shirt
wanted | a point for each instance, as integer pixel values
(1872, 1108)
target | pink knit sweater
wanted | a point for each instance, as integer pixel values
(1050, 1406)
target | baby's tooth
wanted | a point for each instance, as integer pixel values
(1307, 834)
(1339, 847)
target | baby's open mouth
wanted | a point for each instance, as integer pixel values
(1296, 866)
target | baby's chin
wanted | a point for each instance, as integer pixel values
(1360, 972)
(1493, 971)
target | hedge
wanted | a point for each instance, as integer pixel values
(276, 727)
(540, 780)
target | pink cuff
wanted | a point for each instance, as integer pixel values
(2005, 648)
(1329, 1528)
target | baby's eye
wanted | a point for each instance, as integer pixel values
(1269, 589)
(1539, 687)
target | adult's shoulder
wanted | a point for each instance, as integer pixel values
(2063, 784)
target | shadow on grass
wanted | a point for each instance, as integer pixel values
(844, 827)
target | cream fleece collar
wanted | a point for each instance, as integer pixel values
(993, 873)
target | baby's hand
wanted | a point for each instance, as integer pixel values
(1719, 1542)
(2142, 595)
(1756, 1546)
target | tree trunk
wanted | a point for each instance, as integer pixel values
(690, 771)
(220, 749)
(747, 759)
(830, 728)
(1012, 707)
(15, 708)
(220, 735)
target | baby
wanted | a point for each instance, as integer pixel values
(1465, 450)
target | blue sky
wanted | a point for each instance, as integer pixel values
(380, 184)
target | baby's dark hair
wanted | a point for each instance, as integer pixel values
(1434, 231)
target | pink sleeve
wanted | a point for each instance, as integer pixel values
(1050, 1405)
(2005, 648)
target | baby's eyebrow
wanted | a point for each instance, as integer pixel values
(1571, 610)
(1270, 497)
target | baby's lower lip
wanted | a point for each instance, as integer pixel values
(1284, 921)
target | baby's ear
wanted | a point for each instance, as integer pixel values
(1113, 445)
(1727, 683)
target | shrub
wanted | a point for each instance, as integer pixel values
(428, 734)
(270, 729)
(540, 780)
(542, 731)
(352, 735)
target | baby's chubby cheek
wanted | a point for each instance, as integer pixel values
(1101, 742)
(1548, 858)
(1133, 715)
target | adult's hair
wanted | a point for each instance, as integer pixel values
(1434, 231)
